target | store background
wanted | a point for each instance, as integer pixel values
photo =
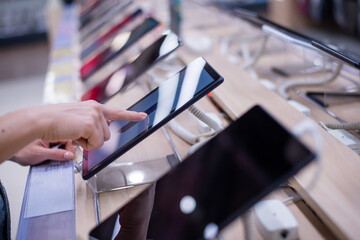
(24, 60)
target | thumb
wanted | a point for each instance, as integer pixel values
(58, 154)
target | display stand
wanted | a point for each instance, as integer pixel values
(122, 175)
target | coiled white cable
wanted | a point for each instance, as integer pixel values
(346, 126)
(282, 90)
(202, 116)
(185, 134)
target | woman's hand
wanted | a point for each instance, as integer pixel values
(85, 123)
(39, 151)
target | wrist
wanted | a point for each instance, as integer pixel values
(38, 121)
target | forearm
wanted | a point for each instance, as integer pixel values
(18, 129)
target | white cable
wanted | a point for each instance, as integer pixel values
(202, 116)
(185, 134)
(305, 82)
(346, 126)
(307, 126)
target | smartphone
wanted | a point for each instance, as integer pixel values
(121, 42)
(162, 104)
(216, 184)
(346, 56)
(129, 72)
(327, 98)
(110, 33)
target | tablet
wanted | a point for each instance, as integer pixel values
(118, 45)
(162, 104)
(129, 72)
(346, 56)
(216, 184)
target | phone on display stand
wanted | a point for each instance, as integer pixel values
(119, 44)
(216, 184)
(128, 73)
(162, 104)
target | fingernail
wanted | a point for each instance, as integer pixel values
(142, 114)
(68, 155)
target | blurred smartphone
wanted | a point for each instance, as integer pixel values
(121, 42)
(327, 98)
(129, 72)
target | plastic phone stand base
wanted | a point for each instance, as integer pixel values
(122, 175)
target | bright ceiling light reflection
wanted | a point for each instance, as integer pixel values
(136, 176)
(119, 41)
(211, 231)
(187, 204)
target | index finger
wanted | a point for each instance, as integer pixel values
(125, 115)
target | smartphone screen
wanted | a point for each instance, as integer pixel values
(118, 80)
(110, 33)
(217, 183)
(121, 42)
(162, 104)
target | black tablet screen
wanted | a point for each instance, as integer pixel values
(165, 102)
(219, 182)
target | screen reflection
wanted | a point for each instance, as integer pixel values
(222, 180)
(162, 104)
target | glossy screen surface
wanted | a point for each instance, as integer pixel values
(222, 180)
(162, 104)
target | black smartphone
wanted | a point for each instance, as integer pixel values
(162, 104)
(110, 33)
(327, 98)
(216, 184)
(121, 42)
(129, 72)
(344, 55)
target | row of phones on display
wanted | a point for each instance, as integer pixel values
(116, 47)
